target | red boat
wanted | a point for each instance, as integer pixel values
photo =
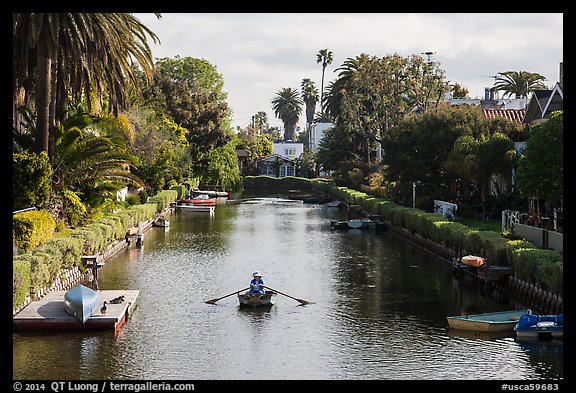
(200, 200)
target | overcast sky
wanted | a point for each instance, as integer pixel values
(258, 54)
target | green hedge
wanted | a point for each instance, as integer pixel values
(32, 229)
(163, 199)
(275, 181)
(181, 190)
(544, 267)
(39, 267)
(21, 279)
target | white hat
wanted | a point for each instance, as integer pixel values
(256, 273)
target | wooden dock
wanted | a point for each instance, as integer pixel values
(48, 313)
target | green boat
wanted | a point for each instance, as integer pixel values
(488, 322)
(257, 299)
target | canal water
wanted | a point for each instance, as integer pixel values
(377, 310)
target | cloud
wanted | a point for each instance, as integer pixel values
(261, 53)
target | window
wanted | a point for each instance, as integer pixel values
(289, 152)
(286, 170)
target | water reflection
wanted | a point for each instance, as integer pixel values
(378, 307)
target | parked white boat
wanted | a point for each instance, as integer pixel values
(196, 208)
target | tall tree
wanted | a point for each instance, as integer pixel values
(323, 56)
(478, 159)
(519, 83)
(310, 98)
(541, 166)
(261, 122)
(287, 107)
(75, 54)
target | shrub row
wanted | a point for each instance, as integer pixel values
(288, 181)
(544, 267)
(40, 267)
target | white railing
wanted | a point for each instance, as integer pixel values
(509, 219)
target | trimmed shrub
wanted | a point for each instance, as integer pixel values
(21, 279)
(544, 267)
(163, 199)
(32, 229)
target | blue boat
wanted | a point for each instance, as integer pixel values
(81, 302)
(540, 326)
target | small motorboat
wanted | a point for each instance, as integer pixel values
(540, 326)
(199, 200)
(257, 299)
(357, 224)
(472, 260)
(488, 322)
(81, 302)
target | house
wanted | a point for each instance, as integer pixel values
(276, 165)
(282, 162)
(542, 103)
(288, 149)
(317, 135)
(242, 156)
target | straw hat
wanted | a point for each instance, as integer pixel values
(257, 274)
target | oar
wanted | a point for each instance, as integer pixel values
(303, 302)
(213, 301)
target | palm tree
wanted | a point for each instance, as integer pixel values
(261, 121)
(75, 54)
(324, 56)
(519, 83)
(91, 165)
(310, 97)
(287, 107)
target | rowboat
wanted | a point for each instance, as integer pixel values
(81, 302)
(540, 326)
(256, 300)
(488, 322)
(472, 260)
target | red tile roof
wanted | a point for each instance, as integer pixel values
(515, 115)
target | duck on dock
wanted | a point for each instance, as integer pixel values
(103, 309)
(117, 300)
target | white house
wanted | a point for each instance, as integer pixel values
(276, 165)
(288, 149)
(317, 135)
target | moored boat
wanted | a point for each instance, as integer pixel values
(357, 224)
(161, 222)
(81, 302)
(195, 208)
(199, 200)
(488, 322)
(540, 326)
(257, 299)
(211, 193)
